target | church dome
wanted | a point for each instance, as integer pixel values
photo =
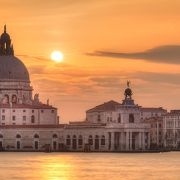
(11, 68)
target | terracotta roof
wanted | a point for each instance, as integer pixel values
(27, 106)
(149, 109)
(107, 106)
(175, 111)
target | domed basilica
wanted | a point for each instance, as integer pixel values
(27, 124)
(16, 91)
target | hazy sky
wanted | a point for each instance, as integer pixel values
(105, 43)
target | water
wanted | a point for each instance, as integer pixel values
(89, 166)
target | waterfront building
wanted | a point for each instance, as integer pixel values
(152, 112)
(156, 132)
(171, 129)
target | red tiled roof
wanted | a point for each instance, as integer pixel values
(149, 109)
(107, 106)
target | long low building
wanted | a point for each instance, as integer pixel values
(76, 137)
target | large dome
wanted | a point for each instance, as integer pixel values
(11, 68)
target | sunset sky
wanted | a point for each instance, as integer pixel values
(105, 43)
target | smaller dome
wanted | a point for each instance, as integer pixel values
(5, 37)
(128, 91)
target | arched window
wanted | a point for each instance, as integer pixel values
(55, 136)
(131, 118)
(103, 140)
(14, 99)
(32, 119)
(6, 98)
(90, 140)
(1, 136)
(68, 140)
(18, 136)
(36, 136)
(80, 140)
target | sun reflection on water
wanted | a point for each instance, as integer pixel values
(89, 166)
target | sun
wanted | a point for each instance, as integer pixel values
(57, 56)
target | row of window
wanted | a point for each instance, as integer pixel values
(109, 119)
(24, 118)
(36, 145)
(36, 136)
(42, 111)
(79, 140)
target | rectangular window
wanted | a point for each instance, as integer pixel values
(24, 118)
(32, 119)
(42, 110)
(3, 110)
(33, 111)
(99, 117)
(119, 118)
(14, 110)
(3, 117)
(14, 123)
(13, 118)
(68, 142)
(24, 110)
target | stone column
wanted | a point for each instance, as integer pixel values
(164, 133)
(130, 140)
(174, 132)
(112, 141)
(120, 140)
(140, 140)
(149, 140)
(127, 140)
(143, 141)
(157, 131)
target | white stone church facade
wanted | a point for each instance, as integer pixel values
(27, 124)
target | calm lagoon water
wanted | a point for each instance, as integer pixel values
(89, 166)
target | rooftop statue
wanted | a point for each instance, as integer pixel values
(128, 92)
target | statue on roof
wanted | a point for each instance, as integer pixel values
(128, 92)
(128, 84)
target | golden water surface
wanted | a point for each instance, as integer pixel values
(89, 166)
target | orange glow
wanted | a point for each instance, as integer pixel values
(76, 28)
